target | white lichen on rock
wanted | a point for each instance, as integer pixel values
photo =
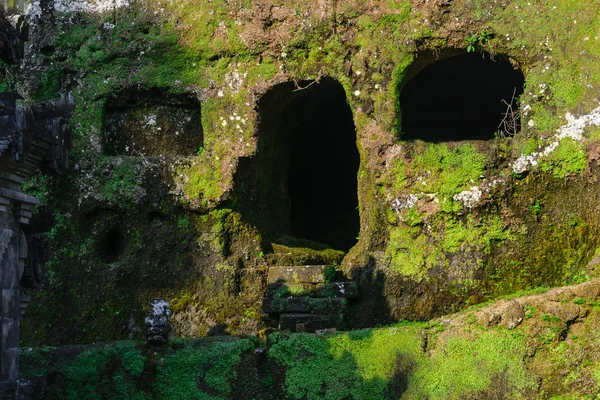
(573, 129)
(408, 202)
(470, 197)
(88, 6)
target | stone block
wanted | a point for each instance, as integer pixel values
(304, 305)
(10, 304)
(10, 334)
(309, 322)
(348, 290)
(8, 389)
(9, 363)
(297, 274)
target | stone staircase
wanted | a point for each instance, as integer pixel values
(307, 298)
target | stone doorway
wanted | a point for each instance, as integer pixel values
(303, 179)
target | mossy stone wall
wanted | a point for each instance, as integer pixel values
(442, 225)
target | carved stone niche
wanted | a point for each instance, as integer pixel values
(152, 123)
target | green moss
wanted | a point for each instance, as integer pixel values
(179, 304)
(8, 77)
(201, 181)
(34, 362)
(38, 187)
(527, 146)
(355, 365)
(563, 79)
(443, 359)
(446, 172)
(567, 159)
(466, 365)
(293, 251)
(106, 372)
(413, 251)
(201, 370)
(124, 185)
(48, 84)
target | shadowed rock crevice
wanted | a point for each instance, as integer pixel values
(464, 97)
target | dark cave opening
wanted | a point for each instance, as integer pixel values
(324, 161)
(111, 246)
(464, 97)
(303, 180)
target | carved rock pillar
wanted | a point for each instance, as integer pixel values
(15, 211)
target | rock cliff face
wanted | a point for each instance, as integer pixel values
(440, 154)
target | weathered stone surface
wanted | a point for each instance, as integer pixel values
(568, 312)
(512, 315)
(304, 305)
(153, 124)
(158, 325)
(348, 290)
(299, 274)
(309, 322)
(11, 46)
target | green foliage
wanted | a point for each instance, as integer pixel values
(202, 370)
(34, 362)
(362, 364)
(567, 159)
(436, 361)
(38, 187)
(477, 41)
(529, 311)
(8, 77)
(183, 224)
(107, 372)
(536, 208)
(329, 273)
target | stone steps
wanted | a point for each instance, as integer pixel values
(348, 290)
(299, 274)
(308, 298)
(304, 305)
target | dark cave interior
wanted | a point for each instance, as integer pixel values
(305, 170)
(461, 98)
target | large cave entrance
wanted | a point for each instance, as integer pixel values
(324, 160)
(471, 96)
(303, 179)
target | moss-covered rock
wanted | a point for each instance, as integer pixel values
(442, 225)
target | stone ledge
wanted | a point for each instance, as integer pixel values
(304, 305)
(300, 274)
